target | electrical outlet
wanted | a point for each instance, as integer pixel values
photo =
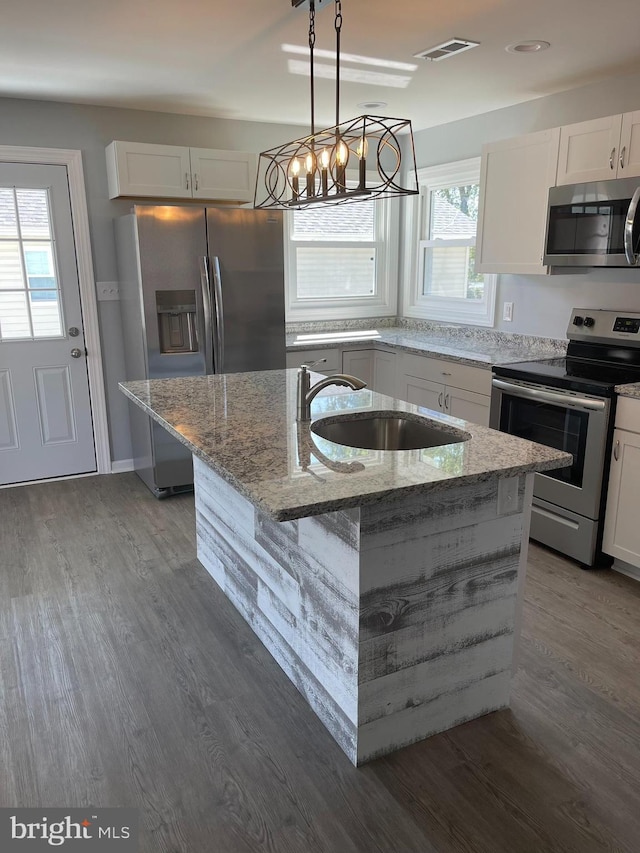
(507, 311)
(108, 290)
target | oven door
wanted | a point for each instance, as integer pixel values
(567, 421)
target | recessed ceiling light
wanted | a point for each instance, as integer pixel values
(527, 47)
(372, 105)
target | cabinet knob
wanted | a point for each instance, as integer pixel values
(612, 157)
(622, 153)
(186, 179)
(616, 450)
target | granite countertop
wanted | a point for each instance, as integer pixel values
(476, 347)
(243, 425)
(632, 390)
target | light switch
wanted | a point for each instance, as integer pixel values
(507, 311)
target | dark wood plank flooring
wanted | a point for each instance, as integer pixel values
(127, 679)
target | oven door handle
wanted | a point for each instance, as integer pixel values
(557, 397)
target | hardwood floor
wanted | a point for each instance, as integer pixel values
(127, 679)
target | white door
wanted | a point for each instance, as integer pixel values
(45, 412)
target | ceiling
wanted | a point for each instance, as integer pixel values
(225, 58)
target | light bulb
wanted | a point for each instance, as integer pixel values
(342, 154)
(324, 158)
(310, 163)
(363, 147)
(295, 167)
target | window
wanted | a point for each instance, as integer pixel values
(339, 258)
(443, 284)
(29, 292)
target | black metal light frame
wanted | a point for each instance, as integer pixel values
(315, 168)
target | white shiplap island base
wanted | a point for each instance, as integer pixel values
(390, 594)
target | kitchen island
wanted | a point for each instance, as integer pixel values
(386, 584)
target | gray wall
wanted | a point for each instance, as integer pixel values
(48, 124)
(542, 303)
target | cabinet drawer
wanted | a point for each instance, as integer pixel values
(446, 372)
(628, 414)
(333, 363)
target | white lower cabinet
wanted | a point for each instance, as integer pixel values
(375, 367)
(456, 389)
(332, 363)
(445, 386)
(359, 362)
(456, 402)
(621, 528)
(384, 373)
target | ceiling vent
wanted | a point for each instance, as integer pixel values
(448, 48)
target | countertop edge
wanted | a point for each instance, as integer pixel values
(433, 346)
(346, 502)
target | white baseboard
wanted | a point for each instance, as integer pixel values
(120, 466)
(626, 569)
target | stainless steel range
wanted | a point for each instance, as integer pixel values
(568, 403)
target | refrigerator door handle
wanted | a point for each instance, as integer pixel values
(217, 281)
(206, 305)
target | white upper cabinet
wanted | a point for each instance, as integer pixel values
(139, 169)
(600, 150)
(224, 175)
(515, 178)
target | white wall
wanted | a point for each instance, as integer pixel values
(50, 124)
(542, 303)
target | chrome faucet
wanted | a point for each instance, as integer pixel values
(306, 391)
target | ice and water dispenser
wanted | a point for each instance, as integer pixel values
(177, 326)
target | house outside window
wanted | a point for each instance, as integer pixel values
(341, 260)
(441, 282)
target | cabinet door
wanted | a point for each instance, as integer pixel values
(152, 171)
(223, 175)
(467, 405)
(359, 362)
(629, 156)
(514, 185)
(423, 392)
(589, 150)
(384, 373)
(621, 530)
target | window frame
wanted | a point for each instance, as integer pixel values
(384, 300)
(440, 308)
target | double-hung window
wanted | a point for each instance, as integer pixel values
(442, 283)
(340, 260)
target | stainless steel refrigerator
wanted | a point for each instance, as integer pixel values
(201, 291)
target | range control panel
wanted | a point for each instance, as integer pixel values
(589, 324)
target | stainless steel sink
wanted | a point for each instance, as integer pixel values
(386, 432)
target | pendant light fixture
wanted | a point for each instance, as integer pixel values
(352, 161)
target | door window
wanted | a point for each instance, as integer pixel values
(30, 305)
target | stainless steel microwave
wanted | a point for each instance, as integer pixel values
(594, 225)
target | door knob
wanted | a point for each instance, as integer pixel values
(76, 352)
(74, 331)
